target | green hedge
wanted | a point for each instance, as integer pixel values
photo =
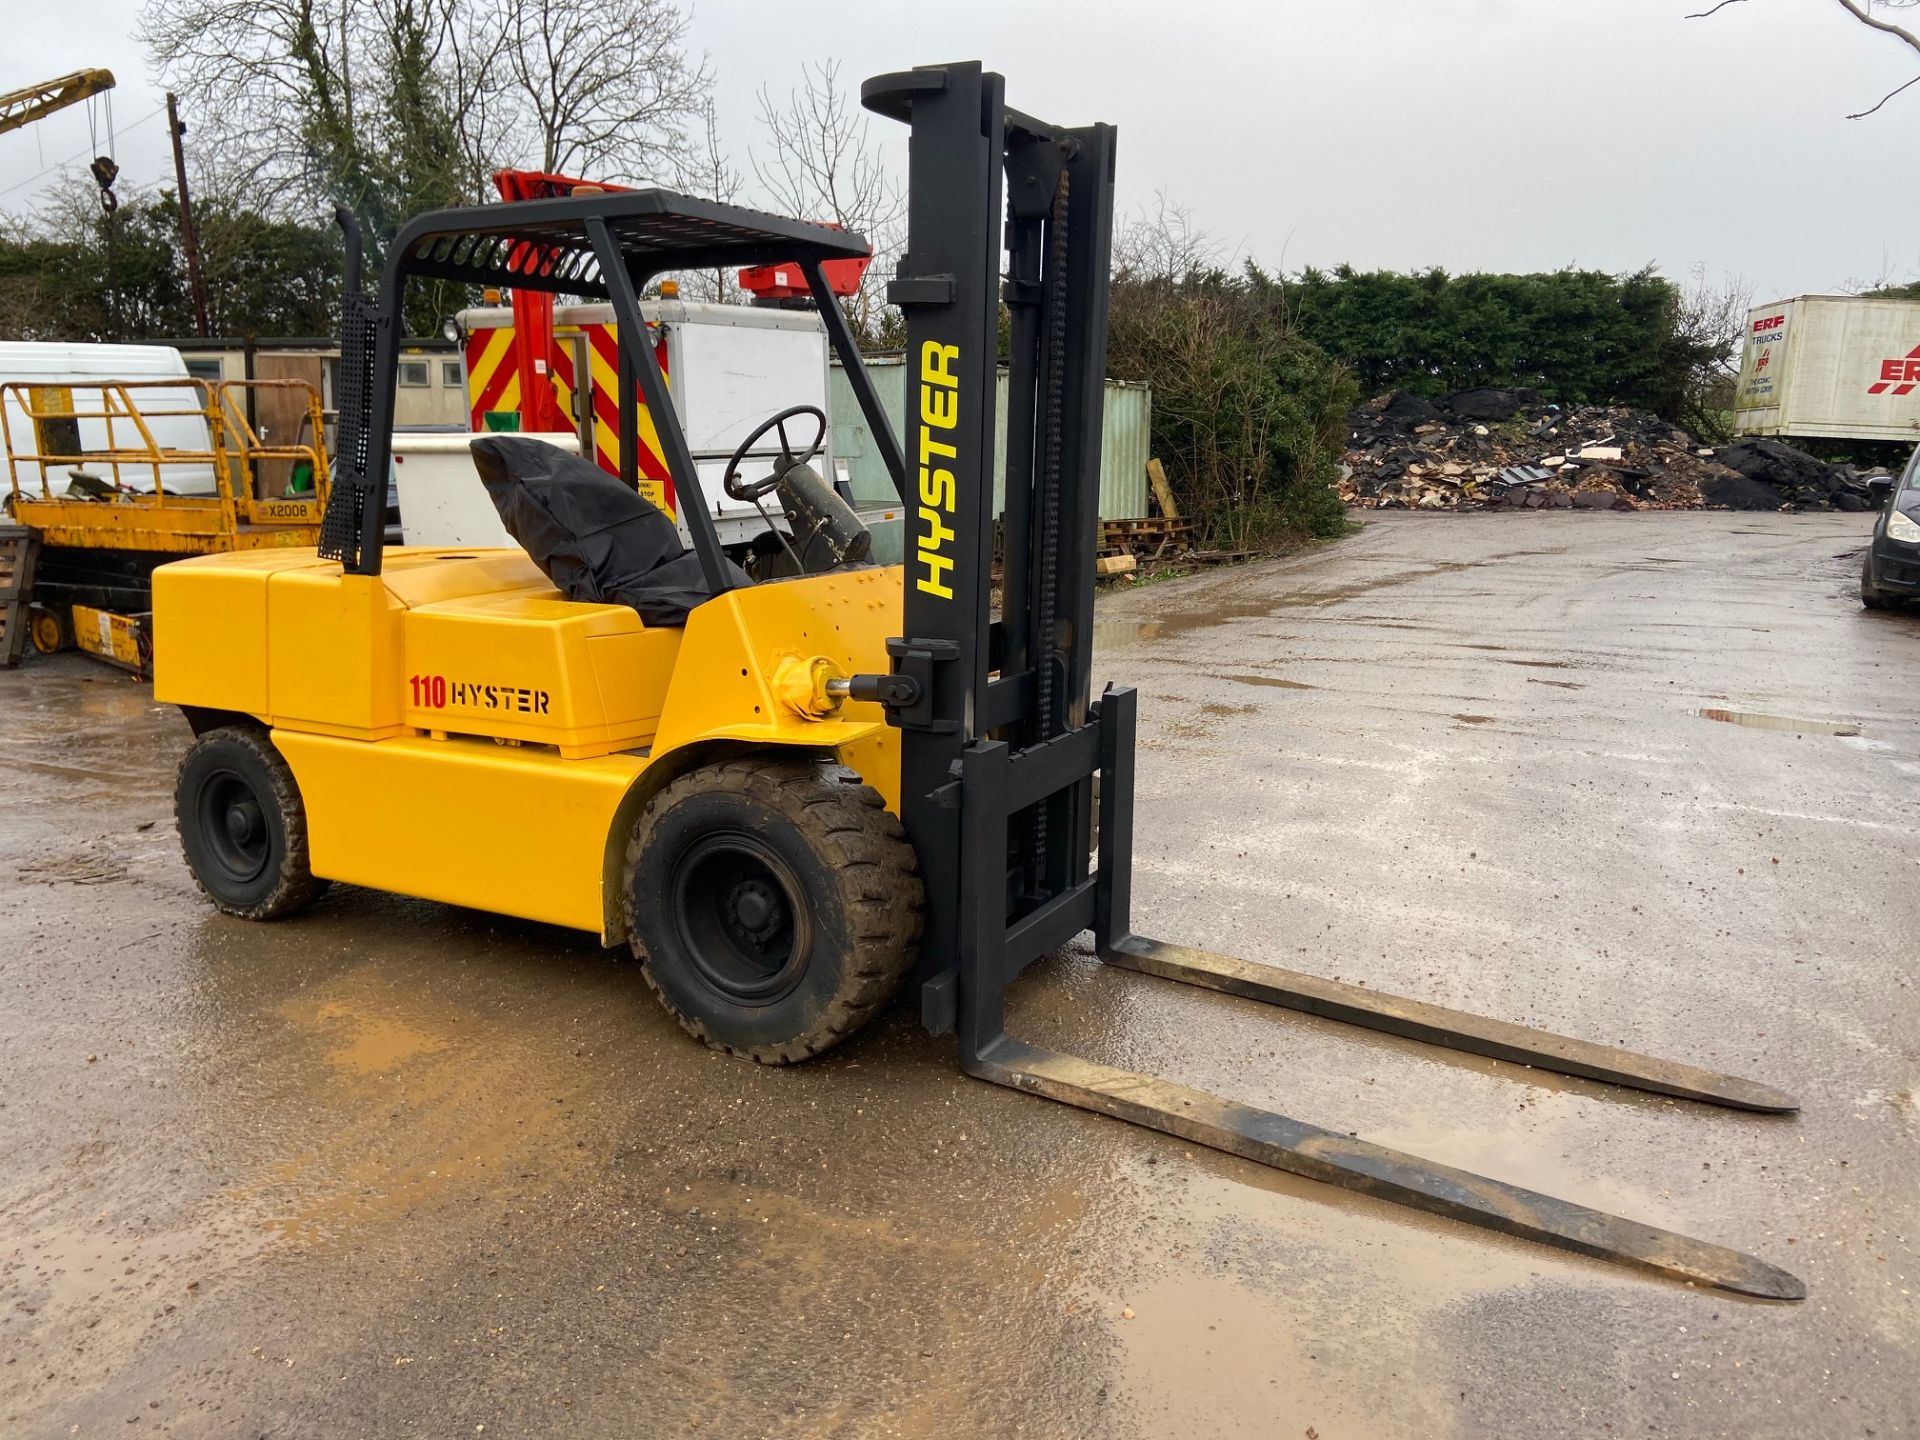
(1249, 417)
(1578, 336)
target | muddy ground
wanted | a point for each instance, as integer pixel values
(397, 1169)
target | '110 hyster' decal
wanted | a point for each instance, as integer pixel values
(436, 692)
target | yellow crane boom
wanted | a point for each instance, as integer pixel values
(36, 102)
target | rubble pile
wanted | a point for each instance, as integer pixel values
(1507, 448)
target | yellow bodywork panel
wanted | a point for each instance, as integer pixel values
(116, 639)
(462, 732)
(518, 831)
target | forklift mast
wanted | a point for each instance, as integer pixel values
(1001, 738)
(1004, 726)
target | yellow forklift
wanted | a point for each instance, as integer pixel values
(794, 792)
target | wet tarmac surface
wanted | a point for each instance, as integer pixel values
(394, 1168)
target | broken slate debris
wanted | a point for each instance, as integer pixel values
(1490, 447)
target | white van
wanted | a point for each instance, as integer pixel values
(82, 368)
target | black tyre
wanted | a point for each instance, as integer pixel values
(1871, 595)
(774, 904)
(243, 826)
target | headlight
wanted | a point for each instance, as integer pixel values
(1900, 526)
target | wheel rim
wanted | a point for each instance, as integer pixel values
(234, 824)
(46, 632)
(739, 919)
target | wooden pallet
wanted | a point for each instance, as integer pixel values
(1150, 537)
(18, 549)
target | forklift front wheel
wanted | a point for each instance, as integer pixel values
(243, 825)
(774, 904)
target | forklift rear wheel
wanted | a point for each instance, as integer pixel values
(243, 825)
(774, 904)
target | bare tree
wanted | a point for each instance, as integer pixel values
(267, 80)
(821, 164)
(602, 87)
(1863, 11)
(707, 170)
(391, 105)
(1710, 325)
(1165, 244)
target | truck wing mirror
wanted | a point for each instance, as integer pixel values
(1880, 488)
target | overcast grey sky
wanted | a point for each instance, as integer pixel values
(1471, 134)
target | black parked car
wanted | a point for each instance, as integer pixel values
(1891, 572)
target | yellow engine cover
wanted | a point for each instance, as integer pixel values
(462, 732)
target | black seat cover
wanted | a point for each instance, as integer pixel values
(589, 534)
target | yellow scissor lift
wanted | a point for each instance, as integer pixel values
(124, 509)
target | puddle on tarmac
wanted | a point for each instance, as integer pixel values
(1268, 1318)
(1119, 632)
(1189, 1351)
(71, 1266)
(1211, 610)
(802, 1242)
(373, 1043)
(1273, 680)
(413, 1122)
(1755, 720)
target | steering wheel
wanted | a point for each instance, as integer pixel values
(753, 489)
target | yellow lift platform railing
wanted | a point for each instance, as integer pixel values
(132, 502)
(108, 506)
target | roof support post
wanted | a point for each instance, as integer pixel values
(653, 386)
(840, 333)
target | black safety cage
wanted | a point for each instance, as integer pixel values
(598, 247)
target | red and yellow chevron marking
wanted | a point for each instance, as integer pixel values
(493, 383)
(493, 375)
(603, 352)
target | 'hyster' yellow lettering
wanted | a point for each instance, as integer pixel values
(939, 410)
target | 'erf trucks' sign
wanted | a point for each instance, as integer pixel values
(1846, 366)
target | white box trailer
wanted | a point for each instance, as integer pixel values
(438, 494)
(1837, 366)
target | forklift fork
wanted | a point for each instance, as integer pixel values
(1001, 738)
(994, 777)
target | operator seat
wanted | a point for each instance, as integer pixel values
(595, 539)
